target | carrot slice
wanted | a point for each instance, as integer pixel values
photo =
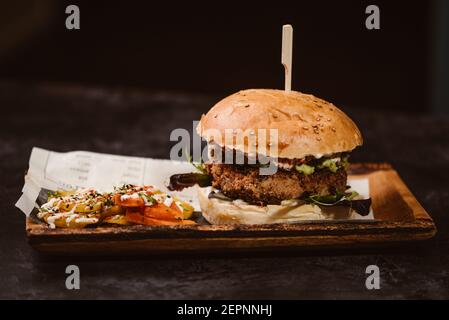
(160, 211)
(160, 222)
(134, 215)
(128, 202)
(117, 198)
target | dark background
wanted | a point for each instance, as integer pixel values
(218, 47)
(136, 70)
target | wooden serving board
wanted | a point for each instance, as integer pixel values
(398, 218)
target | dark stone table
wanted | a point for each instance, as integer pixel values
(138, 123)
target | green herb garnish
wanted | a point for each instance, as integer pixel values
(149, 198)
(198, 166)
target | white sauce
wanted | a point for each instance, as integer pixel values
(51, 220)
(283, 165)
(50, 203)
(70, 219)
(129, 196)
(86, 220)
(178, 205)
(159, 198)
(168, 201)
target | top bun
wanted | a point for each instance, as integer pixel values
(307, 126)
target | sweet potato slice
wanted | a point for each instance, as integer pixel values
(159, 222)
(134, 215)
(160, 211)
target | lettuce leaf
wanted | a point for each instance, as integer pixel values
(361, 206)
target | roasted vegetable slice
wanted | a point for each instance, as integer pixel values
(126, 205)
(71, 220)
(159, 222)
(116, 219)
(160, 211)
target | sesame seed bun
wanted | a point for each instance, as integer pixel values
(219, 212)
(306, 125)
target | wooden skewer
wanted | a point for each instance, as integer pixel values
(287, 50)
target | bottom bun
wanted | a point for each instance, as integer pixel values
(218, 211)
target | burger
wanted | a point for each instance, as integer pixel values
(306, 140)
